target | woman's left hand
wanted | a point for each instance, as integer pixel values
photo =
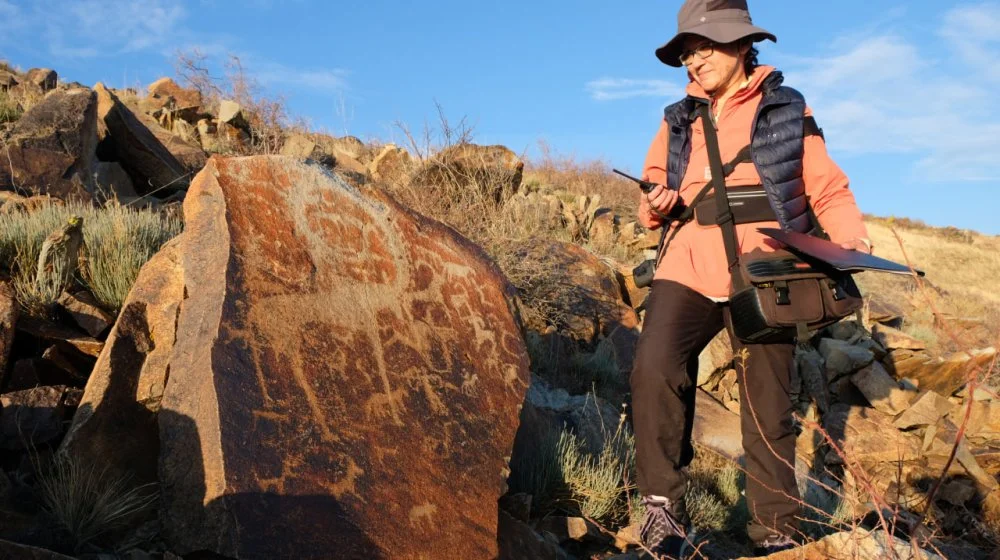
(857, 244)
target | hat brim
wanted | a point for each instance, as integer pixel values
(719, 32)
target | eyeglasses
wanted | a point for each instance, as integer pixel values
(703, 51)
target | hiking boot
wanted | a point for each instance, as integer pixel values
(772, 544)
(664, 531)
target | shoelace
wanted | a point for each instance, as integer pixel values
(659, 524)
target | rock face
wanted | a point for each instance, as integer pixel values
(495, 169)
(52, 147)
(345, 378)
(115, 424)
(148, 162)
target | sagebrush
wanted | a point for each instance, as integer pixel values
(118, 241)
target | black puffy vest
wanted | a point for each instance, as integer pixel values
(776, 148)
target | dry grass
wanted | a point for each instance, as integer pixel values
(118, 240)
(963, 271)
(596, 484)
(10, 110)
(564, 173)
(89, 503)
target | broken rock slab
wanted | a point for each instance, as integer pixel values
(52, 148)
(346, 374)
(943, 375)
(859, 544)
(925, 411)
(115, 425)
(881, 390)
(86, 312)
(843, 358)
(34, 417)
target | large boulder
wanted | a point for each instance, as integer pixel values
(115, 425)
(133, 144)
(183, 103)
(496, 170)
(44, 78)
(345, 379)
(581, 291)
(52, 147)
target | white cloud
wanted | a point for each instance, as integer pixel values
(76, 29)
(610, 89)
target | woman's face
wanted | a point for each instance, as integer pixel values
(716, 70)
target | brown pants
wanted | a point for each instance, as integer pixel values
(679, 324)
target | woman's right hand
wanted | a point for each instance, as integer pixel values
(661, 199)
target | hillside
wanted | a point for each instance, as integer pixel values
(225, 335)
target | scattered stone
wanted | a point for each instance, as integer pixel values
(86, 312)
(570, 529)
(894, 339)
(957, 492)
(148, 162)
(231, 113)
(333, 328)
(7, 80)
(859, 544)
(517, 505)
(72, 363)
(716, 357)
(184, 103)
(716, 428)
(943, 375)
(517, 541)
(51, 148)
(843, 358)
(32, 417)
(881, 390)
(925, 411)
(883, 313)
(115, 425)
(45, 330)
(549, 410)
(868, 436)
(45, 78)
(984, 420)
(628, 536)
(300, 146)
(391, 165)
(847, 330)
(604, 228)
(112, 182)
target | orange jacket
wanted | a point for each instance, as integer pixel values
(696, 257)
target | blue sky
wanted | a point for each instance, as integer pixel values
(906, 91)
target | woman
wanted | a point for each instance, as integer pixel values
(688, 302)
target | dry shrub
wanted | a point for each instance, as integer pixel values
(586, 178)
(267, 117)
(596, 483)
(118, 241)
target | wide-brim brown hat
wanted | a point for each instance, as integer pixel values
(721, 21)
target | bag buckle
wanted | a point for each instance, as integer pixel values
(781, 293)
(838, 291)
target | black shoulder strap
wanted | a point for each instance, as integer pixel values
(810, 128)
(685, 216)
(725, 212)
